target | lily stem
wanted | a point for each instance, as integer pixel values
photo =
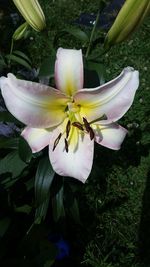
(92, 34)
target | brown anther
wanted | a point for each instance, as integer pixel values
(78, 125)
(66, 145)
(88, 128)
(92, 134)
(68, 127)
(57, 141)
(86, 124)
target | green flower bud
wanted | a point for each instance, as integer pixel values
(20, 31)
(129, 18)
(32, 13)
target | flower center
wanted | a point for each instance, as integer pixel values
(73, 107)
(83, 127)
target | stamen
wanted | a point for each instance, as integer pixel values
(68, 127)
(92, 134)
(78, 125)
(87, 125)
(66, 145)
(57, 141)
(89, 129)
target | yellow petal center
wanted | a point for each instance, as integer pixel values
(73, 107)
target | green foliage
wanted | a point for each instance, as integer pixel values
(43, 179)
(17, 59)
(58, 205)
(12, 164)
(25, 152)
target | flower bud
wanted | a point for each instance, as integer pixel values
(32, 13)
(129, 18)
(20, 31)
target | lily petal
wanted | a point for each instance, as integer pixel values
(69, 71)
(112, 99)
(77, 163)
(111, 135)
(34, 104)
(36, 138)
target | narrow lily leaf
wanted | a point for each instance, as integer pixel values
(2, 63)
(99, 68)
(91, 78)
(43, 179)
(47, 254)
(23, 209)
(5, 116)
(58, 205)
(29, 184)
(71, 202)
(11, 143)
(78, 34)
(19, 60)
(4, 224)
(12, 164)
(47, 67)
(25, 151)
(23, 55)
(74, 210)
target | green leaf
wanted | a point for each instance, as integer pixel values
(78, 34)
(2, 63)
(47, 67)
(23, 55)
(12, 164)
(11, 143)
(29, 184)
(47, 254)
(71, 202)
(49, 263)
(74, 210)
(4, 224)
(19, 60)
(43, 179)
(25, 151)
(58, 205)
(24, 209)
(7, 117)
(99, 68)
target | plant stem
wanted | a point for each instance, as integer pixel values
(92, 34)
(10, 53)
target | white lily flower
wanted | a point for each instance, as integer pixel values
(69, 119)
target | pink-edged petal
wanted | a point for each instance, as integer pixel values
(111, 135)
(77, 163)
(34, 104)
(36, 138)
(69, 71)
(112, 99)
